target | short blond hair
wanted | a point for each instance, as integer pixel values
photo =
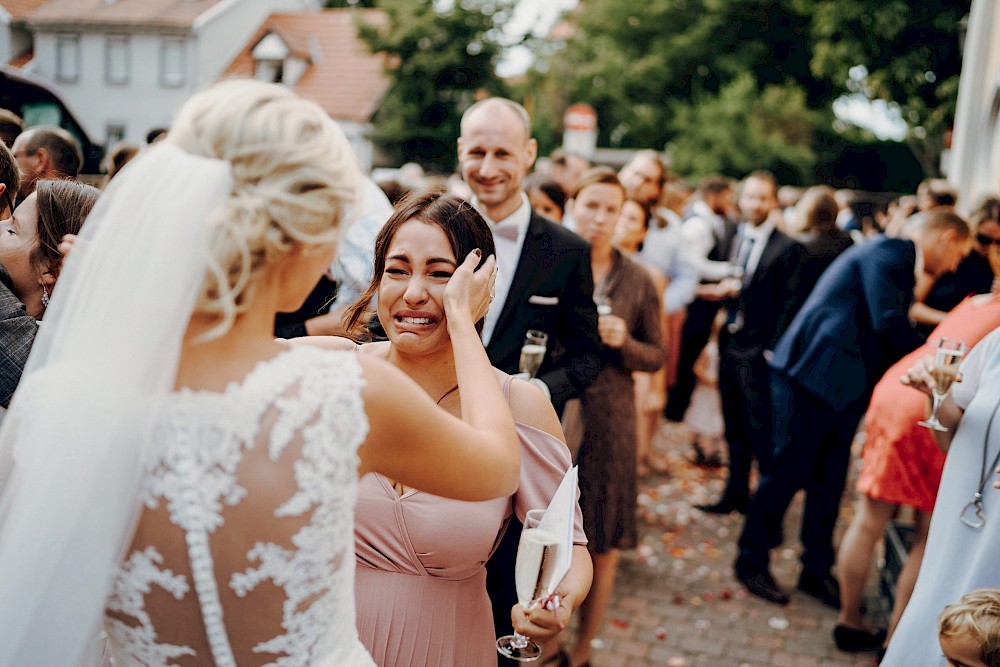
(293, 173)
(975, 615)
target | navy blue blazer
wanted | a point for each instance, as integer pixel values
(854, 324)
(552, 290)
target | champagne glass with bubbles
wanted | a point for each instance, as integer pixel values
(947, 359)
(533, 352)
(534, 572)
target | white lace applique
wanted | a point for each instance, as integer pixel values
(315, 397)
(134, 581)
(323, 546)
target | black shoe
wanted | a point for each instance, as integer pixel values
(762, 585)
(724, 506)
(822, 587)
(703, 460)
(852, 640)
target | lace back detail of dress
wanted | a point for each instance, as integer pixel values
(249, 502)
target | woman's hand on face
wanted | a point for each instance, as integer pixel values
(542, 624)
(612, 331)
(469, 291)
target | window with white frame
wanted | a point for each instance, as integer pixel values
(116, 59)
(67, 58)
(114, 132)
(173, 62)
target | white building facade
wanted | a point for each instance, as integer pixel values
(975, 155)
(122, 78)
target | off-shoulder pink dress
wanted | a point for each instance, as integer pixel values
(421, 577)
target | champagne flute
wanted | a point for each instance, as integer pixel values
(947, 359)
(532, 352)
(603, 304)
(533, 574)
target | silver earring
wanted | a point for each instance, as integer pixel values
(45, 297)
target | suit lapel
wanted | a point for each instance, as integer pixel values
(522, 284)
(767, 256)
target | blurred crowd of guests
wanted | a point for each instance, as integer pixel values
(769, 317)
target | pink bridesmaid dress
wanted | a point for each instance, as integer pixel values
(421, 578)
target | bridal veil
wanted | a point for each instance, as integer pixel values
(71, 447)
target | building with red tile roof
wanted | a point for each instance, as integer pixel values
(126, 66)
(321, 58)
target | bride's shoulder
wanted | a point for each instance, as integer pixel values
(335, 343)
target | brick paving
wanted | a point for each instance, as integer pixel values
(676, 603)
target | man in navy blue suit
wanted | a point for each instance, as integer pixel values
(851, 328)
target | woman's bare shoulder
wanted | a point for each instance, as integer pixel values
(529, 405)
(338, 343)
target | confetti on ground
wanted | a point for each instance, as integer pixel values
(778, 622)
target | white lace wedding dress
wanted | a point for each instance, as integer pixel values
(244, 552)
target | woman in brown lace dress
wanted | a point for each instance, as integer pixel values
(631, 335)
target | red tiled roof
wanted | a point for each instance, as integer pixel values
(22, 60)
(20, 9)
(175, 13)
(344, 77)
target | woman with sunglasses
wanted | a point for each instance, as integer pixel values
(973, 275)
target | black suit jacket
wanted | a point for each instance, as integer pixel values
(17, 334)
(770, 297)
(854, 324)
(553, 291)
(821, 250)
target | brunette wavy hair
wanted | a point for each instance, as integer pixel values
(464, 227)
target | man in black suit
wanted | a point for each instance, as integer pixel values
(544, 282)
(759, 306)
(852, 327)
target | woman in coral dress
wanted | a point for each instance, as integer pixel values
(901, 466)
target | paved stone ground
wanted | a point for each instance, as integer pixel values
(676, 602)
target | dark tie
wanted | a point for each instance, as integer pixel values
(743, 256)
(734, 321)
(507, 231)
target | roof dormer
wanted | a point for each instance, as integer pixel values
(275, 62)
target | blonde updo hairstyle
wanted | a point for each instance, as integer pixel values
(293, 173)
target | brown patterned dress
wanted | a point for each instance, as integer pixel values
(607, 455)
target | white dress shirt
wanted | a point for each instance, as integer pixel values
(508, 256)
(665, 249)
(701, 232)
(355, 258)
(760, 235)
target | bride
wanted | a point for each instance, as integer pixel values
(170, 471)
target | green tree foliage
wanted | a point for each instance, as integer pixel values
(634, 61)
(438, 62)
(742, 129)
(909, 55)
(673, 72)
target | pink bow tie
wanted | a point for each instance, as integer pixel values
(508, 232)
